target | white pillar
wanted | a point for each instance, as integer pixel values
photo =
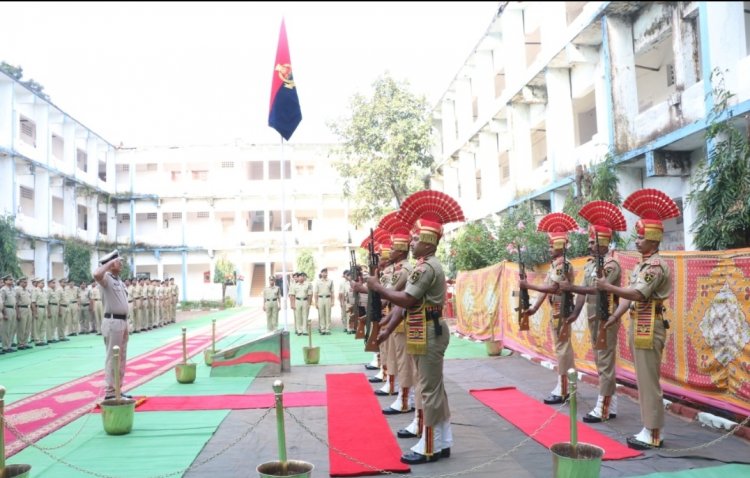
(448, 111)
(624, 94)
(464, 112)
(520, 155)
(560, 122)
(726, 23)
(487, 159)
(514, 47)
(483, 82)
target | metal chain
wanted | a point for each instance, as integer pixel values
(459, 473)
(164, 475)
(710, 443)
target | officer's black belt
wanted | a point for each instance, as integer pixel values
(63, 305)
(323, 296)
(41, 306)
(116, 316)
(10, 306)
(73, 302)
(271, 300)
(130, 302)
(53, 303)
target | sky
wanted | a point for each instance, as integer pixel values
(199, 73)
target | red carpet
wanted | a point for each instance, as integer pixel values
(357, 427)
(528, 414)
(41, 414)
(228, 402)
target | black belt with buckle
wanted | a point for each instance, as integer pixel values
(53, 303)
(270, 300)
(323, 296)
(10, 306)
(41, 306)
(63, 305)
(116, 316)
(73, 302)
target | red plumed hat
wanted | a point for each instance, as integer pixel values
(653, 207)
(399, 230)
(603, 217)
(557, 225)
(428, 211)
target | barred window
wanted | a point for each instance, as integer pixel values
(202, 215)
(151, 215)
(176, 215)
(27, 193)
(227, 164)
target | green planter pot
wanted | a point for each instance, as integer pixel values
(117, 416)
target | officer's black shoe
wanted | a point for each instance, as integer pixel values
(375, 380)
(381, 393)
(555, 399)
(414, 458)
(445, 453)
(404, 433)
(10, 350)
(52, 341)
(393, 411)
(64, 339)
(589, 418)
(636, 444)
(371, 367)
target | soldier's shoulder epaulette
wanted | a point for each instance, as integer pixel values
(656, 261)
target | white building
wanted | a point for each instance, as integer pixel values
(172, 211)
(554, 85)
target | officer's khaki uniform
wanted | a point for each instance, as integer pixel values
(71, 314)
(427, 284)
(404, 363)
(58, 312)
(84, 301)
(605, 359)
(563, 350)
(23, 305)
(271, 306)
(137, 302)
(323, 293)
(176, 292)
(651, 278)
(298, 291)
(10, 322)
(43, 325)
(34, 291)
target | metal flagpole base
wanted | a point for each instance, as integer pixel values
(117, 415)
(294, 469)
(185, 372)
(583, 461)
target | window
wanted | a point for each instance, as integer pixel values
(83, 216)
(27, 193)
(176, 176)
(103, 170)
(151, 167)
(123, 168)
(176, 215)
(274, 169)
(28, 131)
(151, 216)
(200, 175)
(124, 217)
(202, 215)
(227, 164)
(82, 160)
(103, 223)
(255, 170)
(58, 147)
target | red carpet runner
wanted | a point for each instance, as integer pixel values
(41, 414)
(228, 402)
(357, 427)
(528, 414)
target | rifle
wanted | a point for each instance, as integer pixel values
(374, 305)
(566, 307)
(356, 276)
(602, 302)
(523, 296)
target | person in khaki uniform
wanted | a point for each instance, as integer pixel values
(43, 326)
(129, 286)
(23, 306)
(298, 292)
(322, 300)
(71, 316)
(428, 334)
(175, 299)
(34, 291)
(271, 300)
(96, 307)
(53, 311)
(62, 297)
(137, 302)
(10, 321)
(143, 284)
(151, 304)
(84, 309)
(649, 287)
(603, 217)
(556, 225)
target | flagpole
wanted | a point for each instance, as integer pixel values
(284, 285)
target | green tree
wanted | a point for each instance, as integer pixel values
(473, 248)
(16, 72)
(385, 152)
(720, 186)
(77, 258)
(517, 227)
(8, 247)
(224, 274)
(306, 263)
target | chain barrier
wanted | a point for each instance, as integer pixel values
(325, 443)
(46, 450)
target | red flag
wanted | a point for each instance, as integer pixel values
(284, 113)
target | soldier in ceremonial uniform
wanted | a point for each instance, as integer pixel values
(428, 334)
(604, 217)
(10, 322)
(556, 225)
(271, 301)
(650, 285)
(322, 300)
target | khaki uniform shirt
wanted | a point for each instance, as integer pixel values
(427, 281)
(652, 278)
(612, 273)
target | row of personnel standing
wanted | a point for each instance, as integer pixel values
(302, 294)
(39, 312)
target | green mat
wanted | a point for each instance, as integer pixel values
(724, 471)
(160, 443)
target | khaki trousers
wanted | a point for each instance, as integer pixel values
(605, 359)
(430, 376)
(648, 373)
(115, 333)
